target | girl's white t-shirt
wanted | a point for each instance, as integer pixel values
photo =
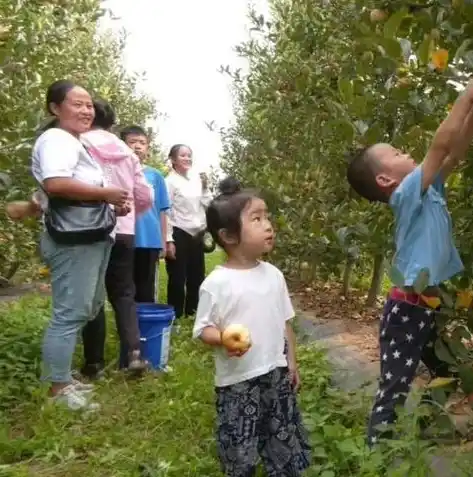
(257, 298)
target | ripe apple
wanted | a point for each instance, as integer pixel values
(377, 16)
(236, 338)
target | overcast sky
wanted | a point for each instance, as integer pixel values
(180, 44)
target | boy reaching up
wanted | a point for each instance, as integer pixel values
(423, 239)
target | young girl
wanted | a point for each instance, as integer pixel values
(256, 390)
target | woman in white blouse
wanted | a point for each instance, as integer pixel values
(72, 179)
(185, 261)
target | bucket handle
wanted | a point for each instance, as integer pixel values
(146, 338)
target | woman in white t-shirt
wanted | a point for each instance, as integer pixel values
(64, 169)
(185, 262)
(256, 378)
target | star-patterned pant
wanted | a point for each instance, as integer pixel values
(407, 335)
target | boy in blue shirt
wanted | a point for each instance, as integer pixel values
(151, 226)
(423, 239)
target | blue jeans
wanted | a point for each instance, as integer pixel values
(78, 293)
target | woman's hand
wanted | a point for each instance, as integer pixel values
(205, 181)
(170, 251)
(116, 196)
(122, 211)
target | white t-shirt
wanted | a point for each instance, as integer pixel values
(56, 153)
(256, 298)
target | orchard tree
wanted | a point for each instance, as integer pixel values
(323, 78)
(42, 41)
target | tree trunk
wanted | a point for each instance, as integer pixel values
(376, 279)
(347, 275)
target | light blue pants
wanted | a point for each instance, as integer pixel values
(78, 293)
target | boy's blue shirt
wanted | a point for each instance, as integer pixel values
(423, 236)
(148, 224)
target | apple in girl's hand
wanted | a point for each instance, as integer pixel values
(236, 338)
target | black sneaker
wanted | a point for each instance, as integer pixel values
(93, 371)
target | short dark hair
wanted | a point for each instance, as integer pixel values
(136, 130)
(361, 175)
(104, 114)
(224, 212)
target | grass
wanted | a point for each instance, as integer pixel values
(163, 424)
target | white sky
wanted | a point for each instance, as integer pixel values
(180, 44)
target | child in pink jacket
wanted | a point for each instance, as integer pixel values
(123, 169)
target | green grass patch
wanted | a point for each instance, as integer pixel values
(162, 425)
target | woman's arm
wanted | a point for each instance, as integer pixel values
(73, 189)
(57, 156)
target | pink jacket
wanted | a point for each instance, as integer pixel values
(122, 168)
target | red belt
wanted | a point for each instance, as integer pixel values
(408, 297)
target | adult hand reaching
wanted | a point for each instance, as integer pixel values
(116, 196)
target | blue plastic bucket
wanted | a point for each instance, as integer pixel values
(155, 323)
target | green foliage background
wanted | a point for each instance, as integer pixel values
(42, 41)
(323, 78)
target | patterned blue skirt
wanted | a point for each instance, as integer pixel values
(259, 418)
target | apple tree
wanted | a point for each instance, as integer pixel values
(42, 41)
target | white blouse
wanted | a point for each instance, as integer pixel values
(188, 204)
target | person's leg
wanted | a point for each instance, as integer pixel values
(93, 340)
(145, 263)
(195, 272)
(283, 441)
(238, 411)
(76, 273)
(121, 294)
(176, 270)
(404, 331)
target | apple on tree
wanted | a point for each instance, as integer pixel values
(236, 339)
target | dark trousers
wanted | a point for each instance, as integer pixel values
(186, 273)
(121, 295)
(407, 336)
(146, 261)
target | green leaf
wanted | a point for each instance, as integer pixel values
(441, 383)
(423, 53)
(456, 345)
(422, 281)
(374, 134)
(390, 47)
(462, 49)
(446, 299)
(441, 319)
(345, 88)
(439, 396)
(443, 352)
(396, 277)
(465, 372)
(394, 22)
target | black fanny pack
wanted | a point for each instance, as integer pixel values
(72, 222)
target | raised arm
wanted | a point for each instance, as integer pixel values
(447, 136)
(460, 148)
